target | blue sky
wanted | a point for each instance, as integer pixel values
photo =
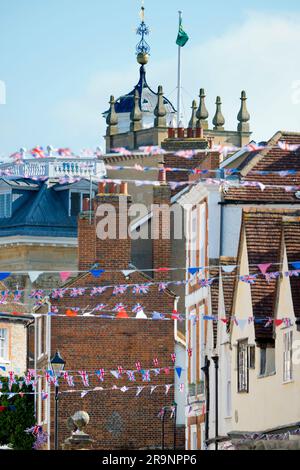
(61, 59)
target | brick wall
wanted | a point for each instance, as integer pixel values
(118, 420)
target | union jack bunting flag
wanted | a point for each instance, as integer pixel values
(120, 370)
(138, 366)
(293, 273)
(249, 279)
(118, 307)
(162, 286)
(131, 375)
(58, 293)
(190, 352)
(100, 374)
(140, 289)
(156, 372)
(38, 152)
(288, 147)
(36, 294)
(48, 376)
(146, 376)
(84, 377)
(70, 381)
(155, 362)
(205, 282)
(119, 289)
(137, 308)
(100, 307)
(173, 357)
(181, 388)
(65, 152)
(269, 276)
(76, 292)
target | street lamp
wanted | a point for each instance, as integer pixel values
(215, 358)
(57, 365)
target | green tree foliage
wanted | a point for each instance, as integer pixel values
(14, 423)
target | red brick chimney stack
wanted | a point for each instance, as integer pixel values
(161, 227)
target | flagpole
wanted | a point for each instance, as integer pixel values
(179, 79)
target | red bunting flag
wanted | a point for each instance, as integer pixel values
(278, 322)
(122, 313)
(71, 313)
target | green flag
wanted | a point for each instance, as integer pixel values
(182, 37)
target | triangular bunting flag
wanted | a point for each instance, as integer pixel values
(139, 391)
(97, 272)
(71, 313)
(33, 275)
(229, 268)
(194, 270)
(168, 388)
(179, 371)
(4, 276)
(242, 323)
(122, 313)
(83, 394)
(115, 373)
(278, 322)
(65, 275)
(264, 267)
(296, 265)
(154, 387)
(141, 315)
(127, 272)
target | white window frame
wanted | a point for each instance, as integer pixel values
(81, 192)
(228, 394)
(202, 236)
(287, 356)
(39, 335)
(242, 366)
(6, 193)
(194, 327)
(193, 244)
(5, 339)
(193, 428)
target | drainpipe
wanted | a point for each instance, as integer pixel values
(48, 343)
(205, 370)
(215, 358)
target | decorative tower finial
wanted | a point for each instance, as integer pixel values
(202, 113)
(243, 116)
(142, 48)
(218, 120)
(112, 118)
(136, 114)
(193, 120)
(160, 111)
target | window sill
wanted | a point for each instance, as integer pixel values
(4, 361)
(285, 382)
(271, 374)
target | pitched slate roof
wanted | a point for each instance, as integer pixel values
(269, 159)
(291, 238)
(263, 231)
(39, 213)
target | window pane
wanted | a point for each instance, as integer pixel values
(5, 205)
(263, 358)
(75, 204)
(3, 343)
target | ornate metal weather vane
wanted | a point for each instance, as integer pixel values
(142, 48)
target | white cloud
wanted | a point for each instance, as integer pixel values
(259, 55)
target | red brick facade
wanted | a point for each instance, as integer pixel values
(117, 420)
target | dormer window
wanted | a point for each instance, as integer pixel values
(76, 201)
(5, 204)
